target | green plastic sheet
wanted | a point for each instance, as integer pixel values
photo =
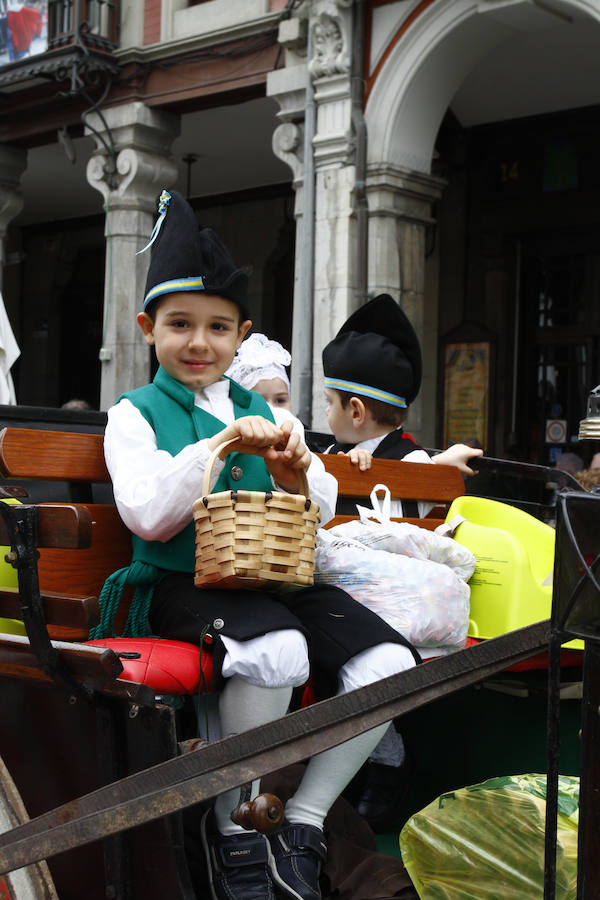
(486, 841)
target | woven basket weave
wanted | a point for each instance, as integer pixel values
(253, 539)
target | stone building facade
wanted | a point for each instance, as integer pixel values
(437, 150)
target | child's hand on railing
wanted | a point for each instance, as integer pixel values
(458, 455)
(361, 458)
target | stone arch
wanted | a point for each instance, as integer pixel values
(424, 67)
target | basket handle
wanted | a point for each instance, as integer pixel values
(302, 479)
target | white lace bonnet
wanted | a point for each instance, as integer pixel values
(257, 359)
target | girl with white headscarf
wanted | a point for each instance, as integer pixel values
(259, 365)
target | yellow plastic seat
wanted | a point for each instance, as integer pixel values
(8, 579)
(512, 583)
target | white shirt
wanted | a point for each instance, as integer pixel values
(154, 491)
(418, 456)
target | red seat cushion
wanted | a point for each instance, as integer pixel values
(168, 667)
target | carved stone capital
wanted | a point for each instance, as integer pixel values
(131, 162)
(141, 177)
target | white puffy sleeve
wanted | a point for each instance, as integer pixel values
(154, 491)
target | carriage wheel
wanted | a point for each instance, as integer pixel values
(32, 882)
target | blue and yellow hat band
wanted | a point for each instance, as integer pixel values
(353, 387)
(170, 287)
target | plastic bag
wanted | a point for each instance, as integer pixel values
(404, 538)
(387, 566)
(487, 841)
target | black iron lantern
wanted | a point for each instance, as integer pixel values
(589, 428)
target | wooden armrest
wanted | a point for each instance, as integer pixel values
(83, 660)
(62, 525)
(97, 667)
(66, 610)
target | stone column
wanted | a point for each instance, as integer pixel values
(333, 240)
(13, 162)
(130, 180)
(399, 214)
(288, 86)
(335, 222)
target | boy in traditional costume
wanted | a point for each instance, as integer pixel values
(158, 441)
(373, 371)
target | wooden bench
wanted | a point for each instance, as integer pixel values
(122, 726)
(71, 582)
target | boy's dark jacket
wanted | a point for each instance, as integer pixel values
(395, 445)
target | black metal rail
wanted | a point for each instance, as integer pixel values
(218, 767)
(214, 768)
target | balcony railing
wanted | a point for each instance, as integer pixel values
(91, 23)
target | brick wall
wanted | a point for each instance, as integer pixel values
(152, 10)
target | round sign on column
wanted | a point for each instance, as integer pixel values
(556, 431)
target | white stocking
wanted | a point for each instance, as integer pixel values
(326, 776)
(243, 706)
(328, 773)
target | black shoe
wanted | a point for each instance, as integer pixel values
(237, 863)
(384, 789)
(297, 854)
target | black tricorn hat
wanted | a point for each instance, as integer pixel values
(376, 353)
(188, 258)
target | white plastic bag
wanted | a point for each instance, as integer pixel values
(414, 579)
(377, 531)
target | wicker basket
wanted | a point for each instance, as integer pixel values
(253, 539)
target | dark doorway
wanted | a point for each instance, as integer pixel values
(62, 301)
(81, 305)
(560, 341)
(519, 240)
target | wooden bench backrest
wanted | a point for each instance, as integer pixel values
(78, 457)
(406, 481)
(68, 456)
(52, 455)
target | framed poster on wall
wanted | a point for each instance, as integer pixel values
(467, 389)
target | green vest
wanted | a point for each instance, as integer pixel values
(170, 409)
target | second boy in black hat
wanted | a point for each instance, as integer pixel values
(372, 374)
(157, 444)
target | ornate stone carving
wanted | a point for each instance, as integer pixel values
(287, 145)
(140, 162)
(138, 171)
(330, 56)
